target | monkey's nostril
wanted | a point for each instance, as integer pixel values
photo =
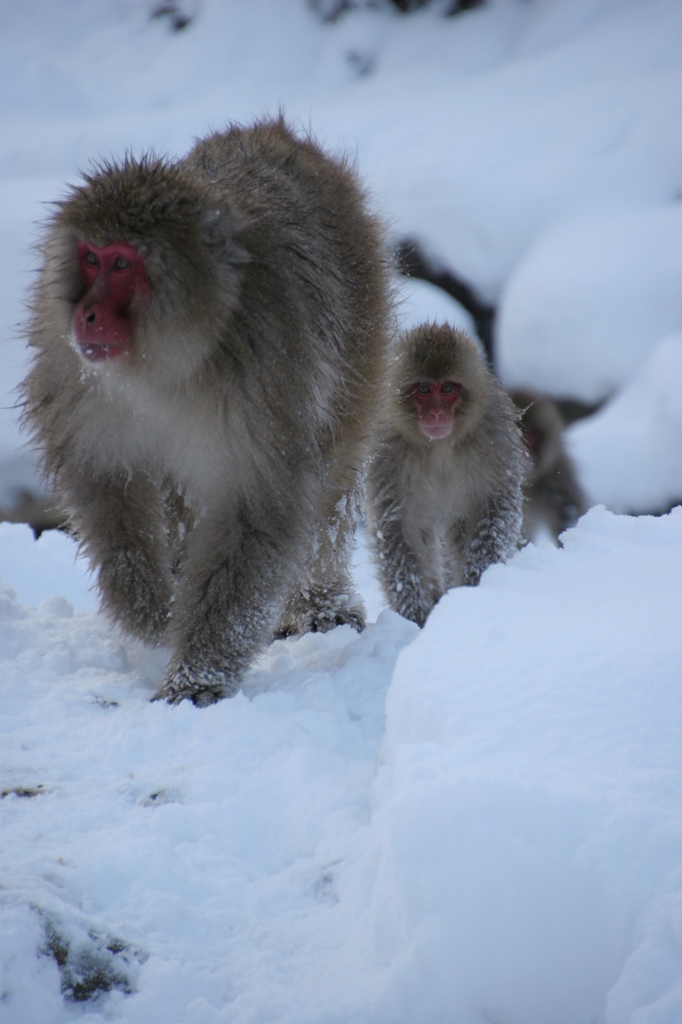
(90, 319)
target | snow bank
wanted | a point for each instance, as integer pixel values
(527, 807)
(488, 832)
(586, 306)
(629, 454)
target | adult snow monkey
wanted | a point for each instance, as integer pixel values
(209, 338)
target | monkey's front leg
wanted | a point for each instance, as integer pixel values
(408, 589)
(120, 525)
(496, 537)
(229, 596)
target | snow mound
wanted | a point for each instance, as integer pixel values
(577, 113)
(586, 306)
(522, 824)
(629, 454)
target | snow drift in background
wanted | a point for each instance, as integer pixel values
(499, 137)
(629, 454)
(592, 297)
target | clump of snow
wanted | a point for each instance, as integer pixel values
(485, 829)
(629, 454)
(590, 300)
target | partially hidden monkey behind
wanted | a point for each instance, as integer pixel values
(209, 337)
(443, 494)
(553, 497)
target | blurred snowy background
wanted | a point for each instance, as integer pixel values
(484, 828)
(530, 147)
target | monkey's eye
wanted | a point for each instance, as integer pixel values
(448, 387)
(91, 259)
(120, 263)
(423, 389)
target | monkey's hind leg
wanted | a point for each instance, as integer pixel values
(328, 597)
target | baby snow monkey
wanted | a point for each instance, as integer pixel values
(443, 492)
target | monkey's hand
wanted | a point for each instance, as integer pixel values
(497, 536)
(408, 591)
(203, 690)
(409, 597)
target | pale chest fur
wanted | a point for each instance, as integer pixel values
(442, 496)
(177, 435)
(442, 487)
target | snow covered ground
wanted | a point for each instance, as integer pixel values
(479, 822)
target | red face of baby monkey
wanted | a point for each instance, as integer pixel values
(436, 401)
(112, 277)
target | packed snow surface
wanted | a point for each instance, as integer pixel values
(475, 822)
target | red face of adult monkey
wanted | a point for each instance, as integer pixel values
(443, 494)
(209, 339)
(116, 282)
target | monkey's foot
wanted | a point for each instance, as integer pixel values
(354, 617)
(182, 685)
(312, 618)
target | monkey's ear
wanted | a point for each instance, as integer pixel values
(218, 232)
